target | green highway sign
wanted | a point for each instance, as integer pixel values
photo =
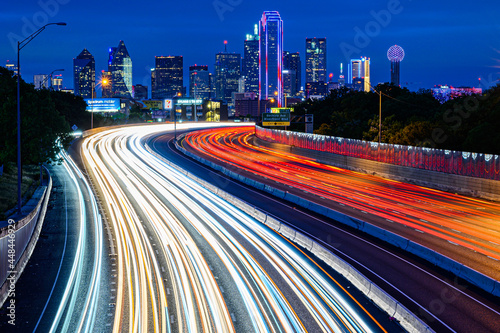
(276, 119)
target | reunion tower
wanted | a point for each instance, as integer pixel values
(395, 54)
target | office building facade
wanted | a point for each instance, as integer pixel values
(199, 82)
(84, 74)
(41, 81)
(167, 78)
(120, 67)
(227, 75)
(359, 74)
(250, 65)
(316, 60)
(292, 62)
(271, 57)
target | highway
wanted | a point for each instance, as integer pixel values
(64, 288)
(188, 261)
(444, 302)
(463, 228)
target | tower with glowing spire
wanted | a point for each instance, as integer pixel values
(395, 54)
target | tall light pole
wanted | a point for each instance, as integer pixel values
(20, 46)
(380, 117)
(379, 92)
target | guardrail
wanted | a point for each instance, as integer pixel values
(18, 239)
(453, 162)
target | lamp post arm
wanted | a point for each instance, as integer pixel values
(23, 43)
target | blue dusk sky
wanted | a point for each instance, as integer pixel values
(446, 42)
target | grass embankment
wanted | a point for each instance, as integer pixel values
(8, 186)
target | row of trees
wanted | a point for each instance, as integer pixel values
(468, 123)
(46, 118)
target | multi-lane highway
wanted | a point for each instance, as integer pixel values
(463, 228)
(446, 303)
(188, 261)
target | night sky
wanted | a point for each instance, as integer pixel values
(446, 42)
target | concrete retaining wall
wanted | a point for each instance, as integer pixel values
(24, 235)
(407, 319)
(471, 186)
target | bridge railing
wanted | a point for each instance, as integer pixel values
(453, 162)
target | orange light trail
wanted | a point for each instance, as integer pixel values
(468, 222)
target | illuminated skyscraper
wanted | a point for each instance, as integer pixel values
(84, 74)
(289, 82)
(57, 82)
(168, 78)
(41, 81)
(199, 82)
(227, 74)
(341, 76)
(11, 66)
(291, 61)
(120, 66)
(271, 57)
(395, 54)
(316, 60)
(250, 63)
(359, 74)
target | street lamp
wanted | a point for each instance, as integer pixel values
(47, 77)
(175, 119)
(20, 46)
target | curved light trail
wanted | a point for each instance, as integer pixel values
(468, 222)
(189, 261)
(82, 290)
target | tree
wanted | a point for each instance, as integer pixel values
(43, 129)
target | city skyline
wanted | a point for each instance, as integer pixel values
(455, 49)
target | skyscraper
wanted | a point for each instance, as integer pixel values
(140, 91)
(395, 54)
(84, 74)
(168, 78)
(56, 82)
(120, 66)
(289, 82)
(341, 76)
(227, 74)
(41, 81)
(11, 66)
(291, 61)
(271, 56)
(316, 60)
(199, 82)
(359, 74)
(251, 61)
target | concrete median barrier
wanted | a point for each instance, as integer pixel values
(304, 241)
(287, 232)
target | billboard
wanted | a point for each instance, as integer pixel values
(153, 104)
(103, 104)
(281, 110)
(168, 104)
(189, 101)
